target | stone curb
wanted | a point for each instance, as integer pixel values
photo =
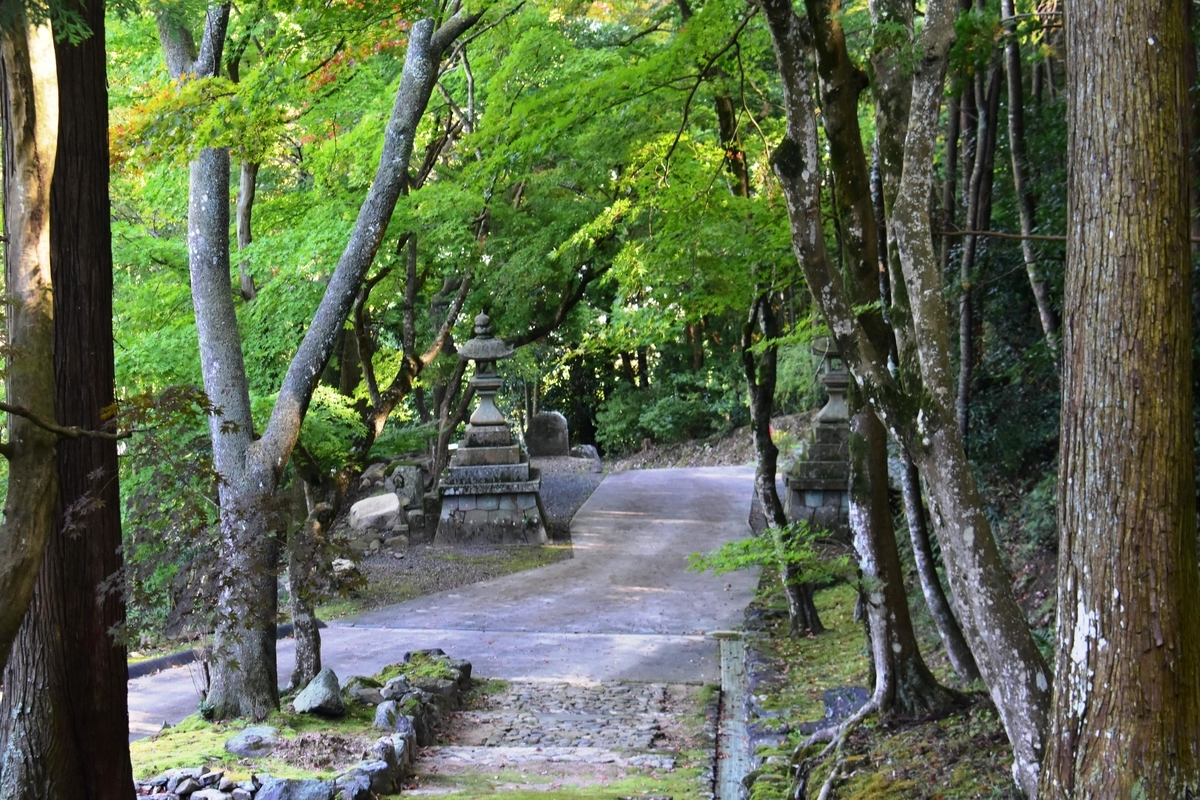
(185, 657)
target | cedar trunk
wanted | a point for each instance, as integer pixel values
(72, 724)
(1127, 699)
(29, 106)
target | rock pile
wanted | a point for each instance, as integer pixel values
(393, 511)
(408, 709)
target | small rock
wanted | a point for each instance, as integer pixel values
(226, 784)
(323, 696)
(396, 688)
(187, 787)
(211, 794)
(254, 742)
(241, 794)
(388, 717)
(292, 789)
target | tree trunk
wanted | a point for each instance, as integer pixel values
(1020, 168)
(304, 570)
(931, 585)
(245, 207)
(244, 675)
(1127, 699)
(925, 422)
(979, 214)
(67, 727)
(903, 683)
(30, 131)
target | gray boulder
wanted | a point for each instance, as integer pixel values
(211, 794)
(292, 789)
(548, 435)
(388, 718)
(378, 513)
(410, 484)
(255, 741)
(323, 696)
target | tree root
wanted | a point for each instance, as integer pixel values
(836, 736)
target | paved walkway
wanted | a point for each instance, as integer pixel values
(624, 608)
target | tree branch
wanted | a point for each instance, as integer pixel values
(63, 431)
(569, 301)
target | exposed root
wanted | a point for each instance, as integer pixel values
(836, 737)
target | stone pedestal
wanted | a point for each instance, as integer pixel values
(818, 482)
(489, 492)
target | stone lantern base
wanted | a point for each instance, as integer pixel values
(818, 484)
(486, 503)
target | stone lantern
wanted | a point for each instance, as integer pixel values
(818, 483)
(489, 492)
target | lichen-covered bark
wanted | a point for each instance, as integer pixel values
(1007, 656)
(30, 128)
(903, 683)
(1127, 688)
(1011, 664)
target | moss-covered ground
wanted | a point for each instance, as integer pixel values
(964, 755)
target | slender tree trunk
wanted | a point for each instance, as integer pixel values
(1127, 688)
(245, 207)
(931, 585)
(70, 725)
(979, 213)
(304, 571)
(1021, 182)
(903, 683)
(29, 106)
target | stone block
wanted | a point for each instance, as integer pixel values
(487, 436)
(526, 501)
(477, 456)
(548, 435)
(465, 502)
(476, 517)
(487, 502)
(375, 513)
(409, 483)
(502, 473)
(507, 503)
(814, 499)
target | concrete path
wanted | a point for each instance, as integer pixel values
(623, 608)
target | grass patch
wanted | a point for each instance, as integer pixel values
(810, 665)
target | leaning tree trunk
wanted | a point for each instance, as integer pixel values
(903, 683)
(29, 106)
(1127, 688)
(71, 725)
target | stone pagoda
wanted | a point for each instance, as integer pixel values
(489, 492)
(818, 482)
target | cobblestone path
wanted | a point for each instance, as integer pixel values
(595, 740)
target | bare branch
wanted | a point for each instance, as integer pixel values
(63, 431)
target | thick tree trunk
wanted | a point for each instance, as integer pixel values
(1009, 659)
(1021, 182)
(1127, 691)
(903, 683)
(931, 585)
(29, 106)
(70, 726)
